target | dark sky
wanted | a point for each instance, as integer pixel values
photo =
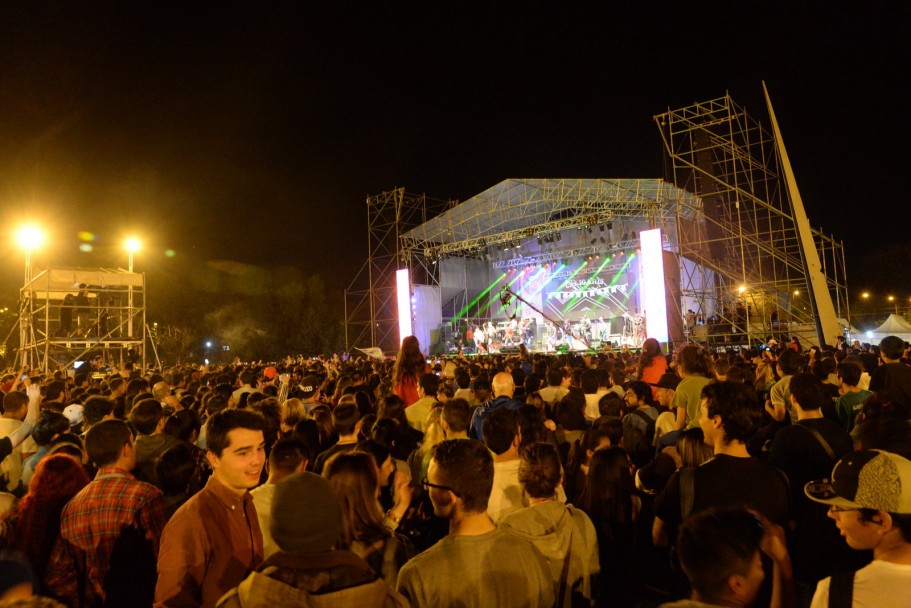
(254, 132)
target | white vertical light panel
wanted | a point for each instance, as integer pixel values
(403, 297)
(652, 296)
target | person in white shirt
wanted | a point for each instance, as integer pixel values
(869, 498)
(288, 456)
(502, 437)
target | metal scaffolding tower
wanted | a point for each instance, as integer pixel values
(370, 304)
(743, 266)
(67, 315)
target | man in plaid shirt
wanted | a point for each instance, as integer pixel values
(91, 521)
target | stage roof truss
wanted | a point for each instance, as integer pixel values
(526, 208)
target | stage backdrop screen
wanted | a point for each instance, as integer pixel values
(593, 289)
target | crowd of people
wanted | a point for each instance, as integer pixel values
(769, 477)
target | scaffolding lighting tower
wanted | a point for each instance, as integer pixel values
(749, 237)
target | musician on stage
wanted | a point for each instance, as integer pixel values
(480, 337)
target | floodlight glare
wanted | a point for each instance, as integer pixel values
(30, 237)
(131, 245)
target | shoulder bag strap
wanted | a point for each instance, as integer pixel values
(841, 590)
(569, 551)
(822, 442)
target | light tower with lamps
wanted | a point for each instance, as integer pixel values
(29, 238)
(132, 246)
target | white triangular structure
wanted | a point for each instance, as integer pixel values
(827, 326)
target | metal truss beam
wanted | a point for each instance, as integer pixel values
(553, 256)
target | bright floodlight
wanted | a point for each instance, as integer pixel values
(30, 237)
(131, 245)
(742, 289)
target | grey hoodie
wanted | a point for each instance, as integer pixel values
(555, 528)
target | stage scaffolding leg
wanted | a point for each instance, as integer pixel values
(154, 348)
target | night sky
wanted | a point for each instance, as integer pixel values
(254, 132)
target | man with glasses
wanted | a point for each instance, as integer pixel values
(869, 497)
(477, 564)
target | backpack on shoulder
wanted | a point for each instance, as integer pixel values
(133, 572)
(637, 444)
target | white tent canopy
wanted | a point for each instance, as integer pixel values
(893, 326)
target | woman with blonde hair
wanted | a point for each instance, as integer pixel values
(293, 411)
(419, 459)
(354, 477)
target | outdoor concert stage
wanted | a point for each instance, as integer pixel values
(722, 247)
(571, 272)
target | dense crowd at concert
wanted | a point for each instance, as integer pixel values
(701, 477)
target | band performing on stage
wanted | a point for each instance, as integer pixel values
(509, 335)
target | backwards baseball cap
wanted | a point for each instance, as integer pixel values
(75, 413)
(309, 385)
(866, 479)
(667, 381)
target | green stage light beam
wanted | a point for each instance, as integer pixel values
(478, 299)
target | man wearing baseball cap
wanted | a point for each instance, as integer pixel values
(869, 497)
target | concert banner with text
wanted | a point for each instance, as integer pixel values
(596, 291)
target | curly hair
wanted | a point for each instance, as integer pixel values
(57, 479)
